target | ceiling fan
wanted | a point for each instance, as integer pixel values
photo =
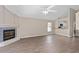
(46, 11)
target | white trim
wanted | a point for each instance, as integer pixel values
(2, 44)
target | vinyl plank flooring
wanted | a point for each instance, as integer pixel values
(44, 44)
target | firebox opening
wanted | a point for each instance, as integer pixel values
(8, 34)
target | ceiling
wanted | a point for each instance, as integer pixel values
(35, 11)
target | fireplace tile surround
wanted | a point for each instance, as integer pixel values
(7, 33)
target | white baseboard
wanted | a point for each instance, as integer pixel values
(33, 36)
(63, 35)
(2, 44)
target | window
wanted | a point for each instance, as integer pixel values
(49, 29)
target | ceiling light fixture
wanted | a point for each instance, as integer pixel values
(45, 12)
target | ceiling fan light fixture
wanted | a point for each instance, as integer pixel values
(45, 12)
(49, 10)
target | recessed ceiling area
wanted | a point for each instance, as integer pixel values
(36, 11)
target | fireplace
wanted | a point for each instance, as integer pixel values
(7, 33)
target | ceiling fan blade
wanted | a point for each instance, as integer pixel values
(50, 7)
(51, 10)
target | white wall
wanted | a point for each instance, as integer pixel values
(72, 22)
(29, 27)
(77, 24)
(77, 20)
(1, 15)
(6, 18)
